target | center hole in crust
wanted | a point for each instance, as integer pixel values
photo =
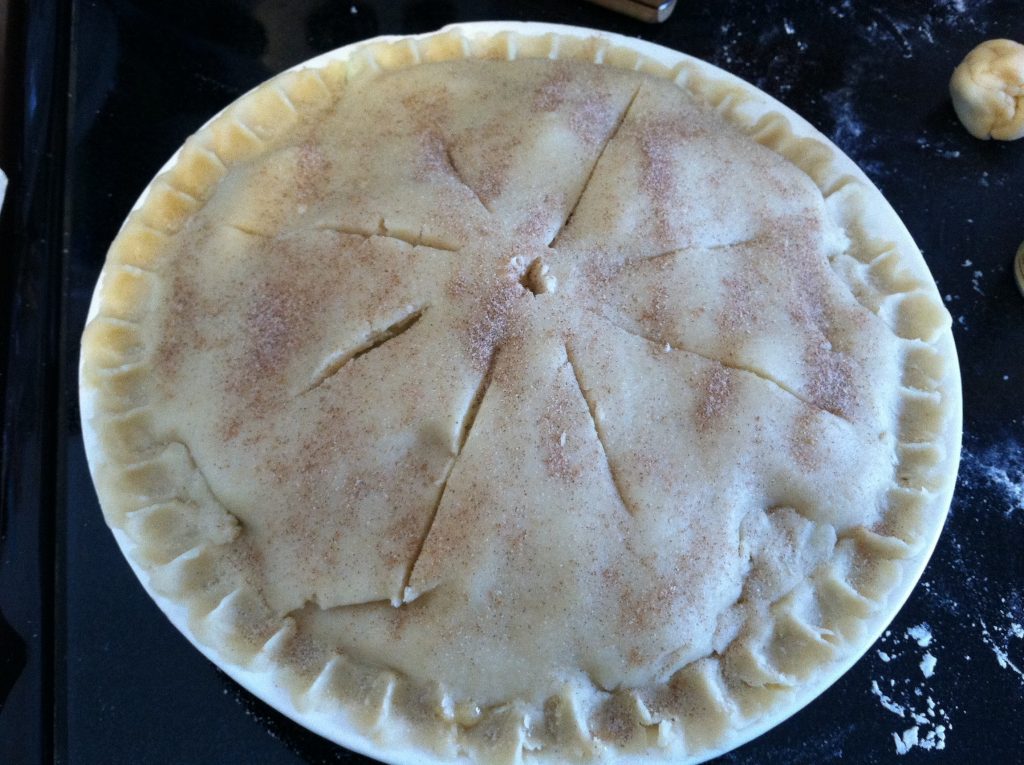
(537, 278)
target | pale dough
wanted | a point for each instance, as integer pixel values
(988, 90)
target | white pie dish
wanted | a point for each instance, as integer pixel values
(259, 680)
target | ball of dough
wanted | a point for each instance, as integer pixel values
(988, 90)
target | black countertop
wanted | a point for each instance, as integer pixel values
(90, 670)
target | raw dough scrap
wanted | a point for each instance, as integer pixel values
(988, 90)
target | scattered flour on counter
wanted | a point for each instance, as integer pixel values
(957, 14)
(850, 134)
(940, 149)
(927, 665)
(921, 634)
(1000, 468)
(924, 723)
(933, 739)
(848, 127)
(976, 282)
(885, 701)
(1000, 640)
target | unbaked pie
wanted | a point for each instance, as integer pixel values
(520, 396)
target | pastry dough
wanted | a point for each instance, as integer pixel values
(988, 90)
(511, 404)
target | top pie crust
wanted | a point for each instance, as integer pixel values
(517, 395)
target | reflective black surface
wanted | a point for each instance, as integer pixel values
(112, 88)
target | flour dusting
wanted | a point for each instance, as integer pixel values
(1002, 641)
(848, 127)
(921, 634)
(927, 665)
(923, 722)
(1000, 468)
(976, 282)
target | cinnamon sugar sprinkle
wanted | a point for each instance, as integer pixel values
(490, 325)
(804, 440)
(831, 380)
(717, 392)
(590, 110)
(566, 453)
(365, 480)
(312, 173)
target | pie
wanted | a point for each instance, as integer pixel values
(520, 394)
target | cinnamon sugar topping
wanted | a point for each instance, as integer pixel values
(493, 364)
(716, 393)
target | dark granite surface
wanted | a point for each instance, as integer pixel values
(91, 672)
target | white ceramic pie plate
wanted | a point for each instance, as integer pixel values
(332, 724)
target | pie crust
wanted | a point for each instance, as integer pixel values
(521, 393)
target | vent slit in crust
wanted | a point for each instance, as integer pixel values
(384, 232)
(680, 250)
(375, 340)
(462, 179)
(593, 410)
(663, 344)
(248, 231)
(593, 168)
(468, 420)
